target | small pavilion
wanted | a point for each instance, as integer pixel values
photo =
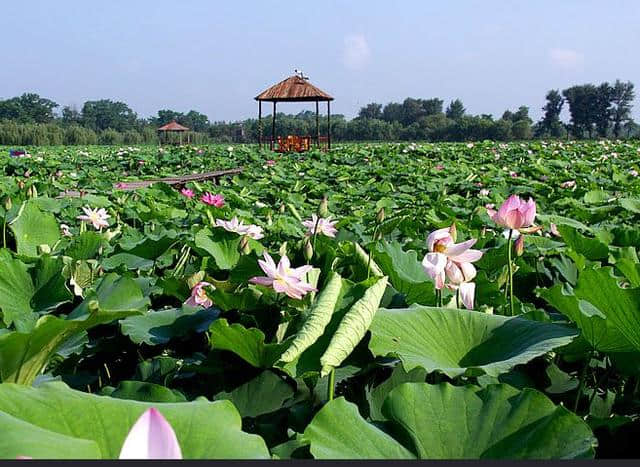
(296, 88)
(170, 128)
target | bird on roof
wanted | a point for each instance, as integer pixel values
(300, 74)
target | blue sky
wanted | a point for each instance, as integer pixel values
(215, 56)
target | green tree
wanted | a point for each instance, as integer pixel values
(392, 112)
(455, 110)
(371, 111)
(550, 123)
(106, 114)
(622, 95)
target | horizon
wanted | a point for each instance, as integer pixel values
(382, 54)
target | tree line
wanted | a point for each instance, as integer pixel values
(595, 111)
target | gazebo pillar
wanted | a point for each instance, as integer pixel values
(260, 124)
(328, 125)
(273, 126)
(317, 124)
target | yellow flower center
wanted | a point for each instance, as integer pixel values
(439, 247)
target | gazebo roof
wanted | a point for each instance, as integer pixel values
(173, 126)
(293, 89)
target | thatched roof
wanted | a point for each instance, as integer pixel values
(294, 89)
(173, 126)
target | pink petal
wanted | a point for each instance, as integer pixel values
(468, 271)
(469, 256)
(454, 273)
(459, 248)
(467, 294)
(151, 437)
(514, 219)
(266, 281)
(440, 234)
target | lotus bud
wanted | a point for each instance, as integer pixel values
(519, 245)
(243, 247)
(21, 185)
(323, 209)
(269, 219)
(94, 306)
(308, 249)
(453, 231)
(8, 203)
(282, 208)
(380, 216)
(283, 249)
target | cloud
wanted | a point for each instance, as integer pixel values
(566, 58)
(356, 53)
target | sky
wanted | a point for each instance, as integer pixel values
(216, 56)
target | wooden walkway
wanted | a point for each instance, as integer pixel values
(134, 185)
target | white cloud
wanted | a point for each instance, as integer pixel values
(566, 58)
(356, 53)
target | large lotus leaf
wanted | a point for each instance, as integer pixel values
(449, 422)
(84, 246)
(21, 295)
(595, 328)
(204, 429)
(32, 228)
(377, 395)
(405, 273)
(459, 342)
(23, 355)
(339, 432)
(20, 438)
(621, 307)
(129, 261)
(159, 327)
(16, 290)
(591, 248)
(266, 393)
(150, 245)
(248, 344)
(221, 245)
(309, 361)
(145, 392)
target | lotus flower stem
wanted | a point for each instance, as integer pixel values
(510, 266)
(458, 298)
(330, 387)
(583, 373)
(315, 234)
(375, 244)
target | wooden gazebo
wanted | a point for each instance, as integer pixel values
(173, 127)
(296, 88)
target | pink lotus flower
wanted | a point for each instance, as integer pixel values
(151, 437)
(236, 226)
(633, 172)
(513, 174)
(554, 230)
(514, 213)
(484, 192)
(282, 278)
(443, 250)
(187, 192)
(199, 295)
(212, 200)
(568, 184)
(439, 167)
(97, 217)
(271, 163)
(325, 226)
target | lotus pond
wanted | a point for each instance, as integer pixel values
(385, 301)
